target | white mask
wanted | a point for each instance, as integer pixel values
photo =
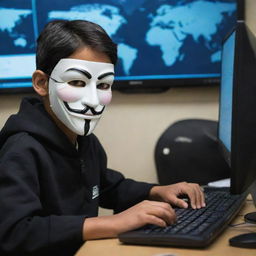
(79, 90)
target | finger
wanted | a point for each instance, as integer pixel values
(177, 201)
(152, 219)
(156, 204)
(191, 194)
(168, 215)
(202, 197)
(198, 195)
(165, 205)
(156, 207)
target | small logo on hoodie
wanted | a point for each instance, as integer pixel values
(95, 191)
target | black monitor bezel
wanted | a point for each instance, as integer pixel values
(149, 85)
(242, 152)
(17, 89)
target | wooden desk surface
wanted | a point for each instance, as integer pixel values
(220, 247)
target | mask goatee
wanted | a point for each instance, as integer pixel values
(86, 126)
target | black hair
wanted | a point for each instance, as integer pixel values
(61, 38)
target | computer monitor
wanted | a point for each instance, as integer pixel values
(237, 120)
(161, 44)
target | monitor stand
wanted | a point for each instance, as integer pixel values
(247, 240)
(253, 192)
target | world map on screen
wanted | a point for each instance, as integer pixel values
(12, 34)
(153, 37)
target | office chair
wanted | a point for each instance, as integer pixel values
(188, 151)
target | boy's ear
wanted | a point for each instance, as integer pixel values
(40, 82)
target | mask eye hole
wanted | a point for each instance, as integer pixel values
(103, 86)
(77, 83)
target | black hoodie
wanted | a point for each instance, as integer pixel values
(48, 187)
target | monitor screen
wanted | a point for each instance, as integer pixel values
(160, 43)
(225, 111)
(237, 122)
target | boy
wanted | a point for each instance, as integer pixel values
(53, 170)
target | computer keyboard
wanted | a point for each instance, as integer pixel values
(194, 228)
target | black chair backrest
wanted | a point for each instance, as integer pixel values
(188, 151)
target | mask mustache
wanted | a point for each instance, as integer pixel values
(83, 111)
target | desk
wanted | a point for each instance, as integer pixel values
(220, 247)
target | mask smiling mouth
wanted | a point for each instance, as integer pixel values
(91, 111)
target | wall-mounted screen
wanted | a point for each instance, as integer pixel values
(161, 43)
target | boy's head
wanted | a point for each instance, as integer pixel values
(75, 70)
(61, 38)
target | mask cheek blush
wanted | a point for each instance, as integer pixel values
(68, 94)
(105, 98)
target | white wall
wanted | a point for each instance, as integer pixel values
(132, 124)
(250, 13)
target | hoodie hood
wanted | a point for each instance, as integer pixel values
(33, 119)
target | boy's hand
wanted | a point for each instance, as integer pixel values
(148, 212)
(171, 193)
(145, 212)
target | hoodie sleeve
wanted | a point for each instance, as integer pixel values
(120, 193)
(24, 228)
(117, 192)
